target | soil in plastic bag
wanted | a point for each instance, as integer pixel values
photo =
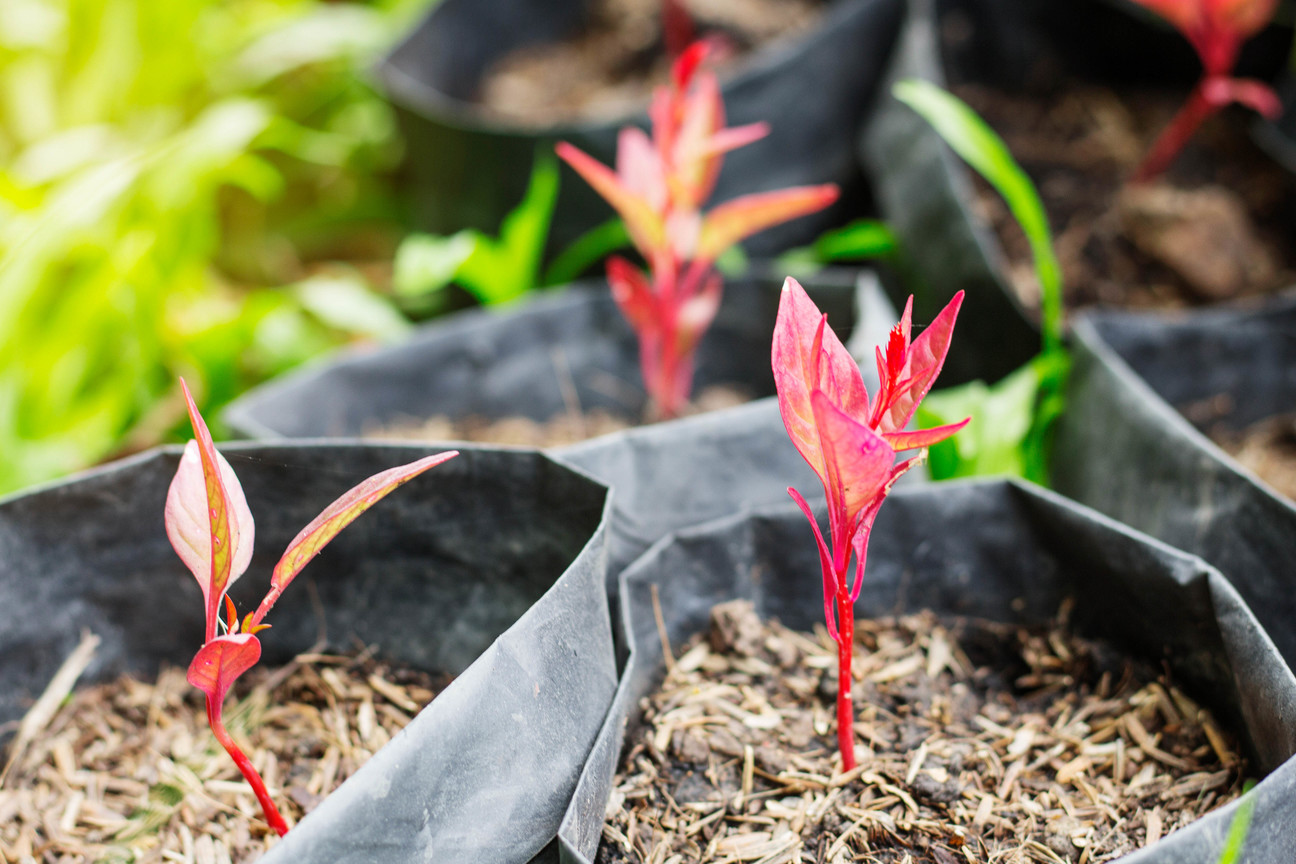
(1128, 445)
(996, 551)
(489, 568)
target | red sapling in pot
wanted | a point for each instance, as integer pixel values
(852, 445)
(210, 526)
(658, 188)
(1216, 29)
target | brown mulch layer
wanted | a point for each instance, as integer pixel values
(977, 742)
(566, 428)
(129, 772)
(1218, 225)
(1268, 448)
(611, 69)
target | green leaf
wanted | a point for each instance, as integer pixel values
(860, 240)
(426, 263)
(1012, 422)
(1237, 833)
(346, 303)
(587, 250)
(978, 145)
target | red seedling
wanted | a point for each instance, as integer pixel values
(1216, 29)
(852, 445)
(658, 189)
(210, 527)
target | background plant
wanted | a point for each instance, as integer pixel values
(1014, 418)
(210, 527)
(1216, 29)
(171, 174)
(658, 188)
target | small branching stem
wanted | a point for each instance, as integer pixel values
(245, 766)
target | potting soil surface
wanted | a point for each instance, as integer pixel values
(611, 68)
(976, 742)
(1221, 223)
(566, 428)
(130, 772)
(1268, 448)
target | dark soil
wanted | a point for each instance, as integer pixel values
(1221, 223)
(610, 70)
(129, 771)
(566, 428)
(977, 742)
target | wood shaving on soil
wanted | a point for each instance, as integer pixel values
(976, 742)
(1268, 448)
(610, 69)
(1217, 225)
(128, 772)
(566, 428)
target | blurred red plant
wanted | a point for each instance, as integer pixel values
(1216, 29)
(658, 188)
(210, 527)
(852, 445)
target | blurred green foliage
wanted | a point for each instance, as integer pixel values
(1012, 420)
(175, 176)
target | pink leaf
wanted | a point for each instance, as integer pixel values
(221, 505)
(924, 360)
(825, 563)
(643, 223)
(696, 314)
(632, 293)
(640, 169)
(807, 355)
(338, 515)
(923, 437)
(858, 465)
(746, 215)
(220, 662)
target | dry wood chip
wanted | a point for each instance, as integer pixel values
(965, 765)
(129, 772)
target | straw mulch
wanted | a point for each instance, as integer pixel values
(128, 772)
(977, 742)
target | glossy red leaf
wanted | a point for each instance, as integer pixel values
(220, 662)
(905, 383)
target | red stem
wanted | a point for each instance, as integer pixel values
(845, 644)
(249, 773)
(677, 28)
(1176, 135)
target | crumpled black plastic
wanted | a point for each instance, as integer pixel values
(1123, 447)
(1001, 550)
(490, 567)
(469, 169)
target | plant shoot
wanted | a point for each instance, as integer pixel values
(658, 189)
(1216, 29)
(210, 527)
(852, 444)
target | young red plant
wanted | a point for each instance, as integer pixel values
(210, 527)
(658, 188)
(852, 443)
(1216, 29)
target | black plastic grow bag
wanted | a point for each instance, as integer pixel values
(1002, 551)
(925, 192)
(495, 364)
(469, 169)
(489, 568)
(1124, 448)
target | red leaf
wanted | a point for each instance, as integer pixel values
(923, 437)
(825, 564)
(923, 361)
(633, 294)
(643, 223)
(858, 465)
(220, 662)
(746, 215)
(338, 515)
